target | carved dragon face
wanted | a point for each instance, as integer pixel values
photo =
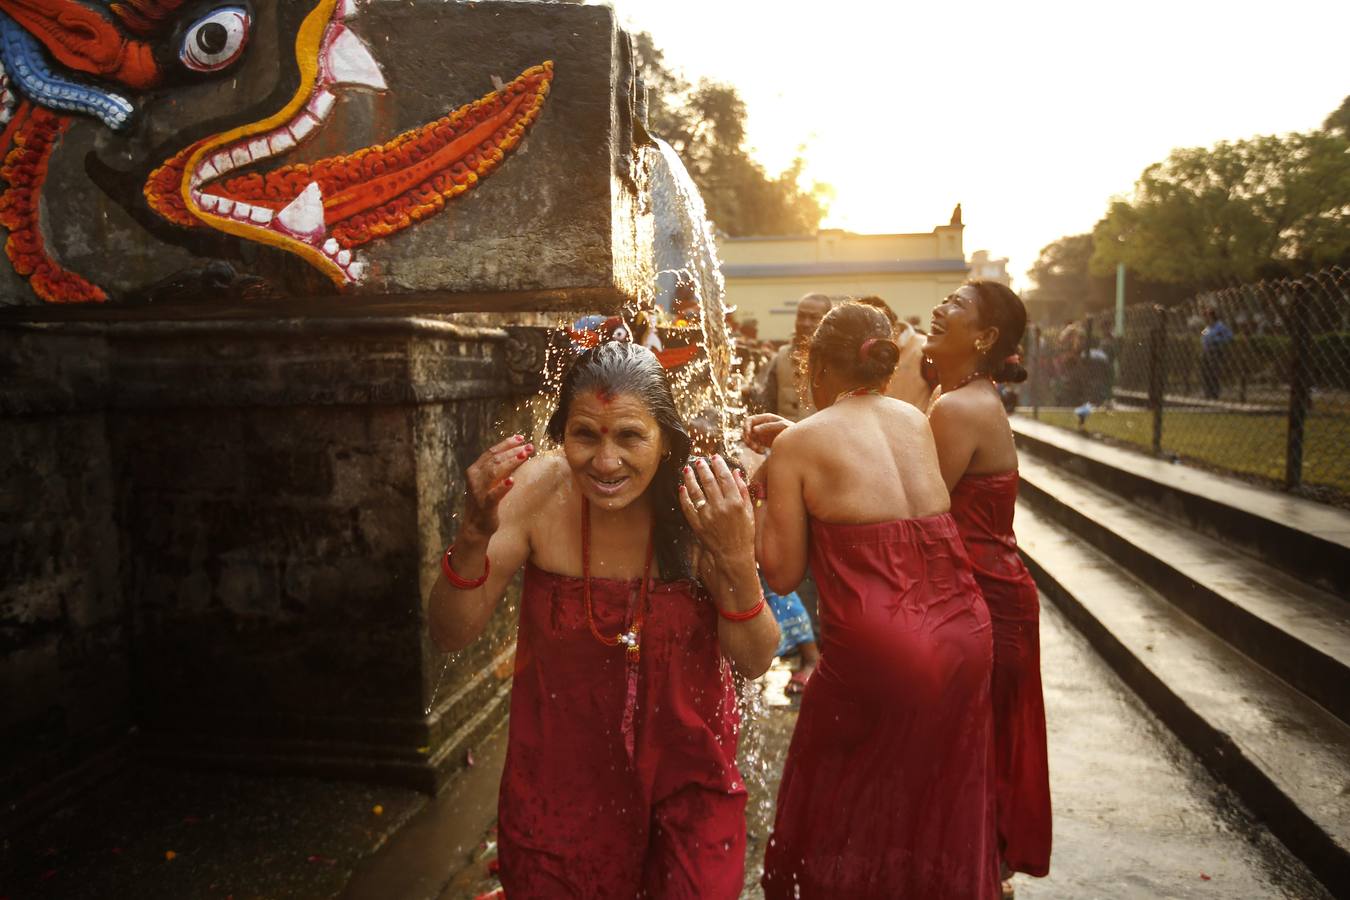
(320, 210)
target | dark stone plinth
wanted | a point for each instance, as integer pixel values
(222, 535)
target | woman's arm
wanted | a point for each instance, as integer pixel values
(955, 436)
(781, 532)
(494, 537)
(717, 504)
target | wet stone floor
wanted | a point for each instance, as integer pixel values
(1136, 816)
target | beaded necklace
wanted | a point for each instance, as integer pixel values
(857, 392)
(968, 379)
(629, 638)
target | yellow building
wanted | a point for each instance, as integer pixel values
(766, 276)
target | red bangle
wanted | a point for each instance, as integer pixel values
(742, 616)
(463, 584)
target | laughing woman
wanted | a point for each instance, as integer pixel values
(972, 343)
(640, 594)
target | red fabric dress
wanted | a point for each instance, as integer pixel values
(620, 780)
(983, 508)
(888, 787)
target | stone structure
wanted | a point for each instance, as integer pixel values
(766, 276)
(224, 494)
(982, 265)
(416, 155)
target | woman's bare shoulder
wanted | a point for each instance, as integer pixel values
(966, 405)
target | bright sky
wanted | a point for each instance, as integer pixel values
(1031, 114)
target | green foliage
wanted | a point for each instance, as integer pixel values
(1063, 280)
(705, 124)
(1265, 207)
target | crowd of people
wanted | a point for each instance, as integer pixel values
(864, 524)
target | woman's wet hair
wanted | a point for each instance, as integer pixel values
(874, 300)
(854, 339)
(617, 368)
(999, 307)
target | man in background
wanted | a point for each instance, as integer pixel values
(779, 391)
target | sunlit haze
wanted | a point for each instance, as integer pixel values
(1032, 115)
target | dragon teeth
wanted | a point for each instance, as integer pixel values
(321, 104)
(304, 214)
(281, 141)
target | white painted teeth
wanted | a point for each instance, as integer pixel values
(344, 258)
(222, 163)
(321, 104)
(348, 61)
(258, 148)
(225, 206)
(282, 141)
(260, 215)
(303, 216)
(303, 125)
(207, 201)
(330, 247)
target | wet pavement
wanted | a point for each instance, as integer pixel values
(1135, 816)
(154, 833)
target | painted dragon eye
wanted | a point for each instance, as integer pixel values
(215, 41)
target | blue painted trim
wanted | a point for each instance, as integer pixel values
(865, 267)
(27, 66)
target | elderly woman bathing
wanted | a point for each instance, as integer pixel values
(640, 594)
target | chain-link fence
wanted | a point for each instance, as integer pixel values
(1252, 379)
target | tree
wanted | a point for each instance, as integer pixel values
(705, 124)
(1265, 207)
(1061, 274)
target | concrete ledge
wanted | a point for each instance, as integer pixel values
(1309, 540)
(1286, 757)
(1298, 632)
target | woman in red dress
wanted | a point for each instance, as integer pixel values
(972, 342)
(888, 787)
(620, 775)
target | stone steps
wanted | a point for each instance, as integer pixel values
(1298, 632)
(1284, 754)
(1306, 540)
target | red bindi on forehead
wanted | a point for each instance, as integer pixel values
(604, 429)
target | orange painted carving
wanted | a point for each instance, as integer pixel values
(380, 190)
(30, 137)
(145, 16)
(83, 40)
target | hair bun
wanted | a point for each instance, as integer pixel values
(877, 358)
(1010, 371)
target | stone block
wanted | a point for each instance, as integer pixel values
(417, 156)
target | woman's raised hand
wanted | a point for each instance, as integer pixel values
(761, 429)
(489, 478)
(716, 502)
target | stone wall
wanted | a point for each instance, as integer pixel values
(65, 709)
(221, 534)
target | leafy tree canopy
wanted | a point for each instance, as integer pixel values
(705, 124)
(1238, 211)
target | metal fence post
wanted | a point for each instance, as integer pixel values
(1300, 382)
(1157, 377)
(1034, 351)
